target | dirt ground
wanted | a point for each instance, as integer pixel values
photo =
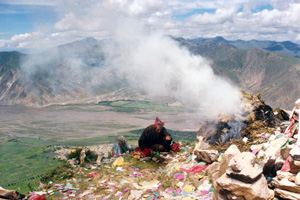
(81, 121)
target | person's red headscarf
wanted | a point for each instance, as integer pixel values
(158, 121)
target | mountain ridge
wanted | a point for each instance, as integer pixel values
(274, 75)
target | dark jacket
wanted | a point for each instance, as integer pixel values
(151, 137)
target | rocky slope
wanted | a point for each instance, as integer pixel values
(256, 70)
(262, 164)
(76, 72)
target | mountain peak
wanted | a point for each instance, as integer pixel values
(90, 40)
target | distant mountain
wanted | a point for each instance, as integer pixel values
(59, 75)
(275, 76)
(77, 73)
(287, 48)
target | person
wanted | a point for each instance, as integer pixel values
(156, 137)
(294, 119)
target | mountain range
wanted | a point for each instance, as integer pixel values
(267, 67)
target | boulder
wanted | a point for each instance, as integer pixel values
(274, 149)
(10, 194)
(285, 175)
(285, 152)
(242, 167)
(279, 162)
(214, 167)
(82, 156)
(295, 166)
(297, 179)
(225, 195)
(272, 166)
(258, 190)
(286, 194)
(213, 171)
(226, 157)
(285, 184)
(208, 156)
(295, 153)
(201, 144)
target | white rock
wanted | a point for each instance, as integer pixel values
(297, 181)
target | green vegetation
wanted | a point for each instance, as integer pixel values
(289, 59)
(23, 161)
(59, 173)
(90, 156)
(132, 106)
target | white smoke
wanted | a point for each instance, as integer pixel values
(158, 66)
(151, 62)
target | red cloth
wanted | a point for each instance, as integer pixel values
(40, 197)
(195, 169)
(94, 174)
(147, 151)
(289, 131)
(286, 166)
(158, 121)
(175, 147)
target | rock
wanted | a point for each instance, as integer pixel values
(278, 164)
(10, 194)
(214, 167)
(213, 171)
(82, 156)
(242, 167)
(201, 144)
(226, 157)
(295, 153)
(99, 159)
(275, 147)
(285, 184)
(285, 152)
(285, 175)
(257, 190)
(286, 194)
(272, 166)
(297, 179)
(208, 156)
(225, 195)
(295, 166)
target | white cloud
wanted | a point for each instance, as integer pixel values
(93, 18)
(221, 16)
(27, 40)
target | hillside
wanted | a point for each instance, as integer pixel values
(78, 73)
(274, 75)
(286, 48)
(253, 166)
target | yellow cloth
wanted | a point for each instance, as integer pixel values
(119, 162)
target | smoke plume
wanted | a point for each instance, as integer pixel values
(149, 61)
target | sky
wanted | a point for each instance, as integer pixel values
(36, 24)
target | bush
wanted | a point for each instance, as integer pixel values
(90, 156)
(62, 172)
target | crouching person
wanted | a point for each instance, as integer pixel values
(156, 137)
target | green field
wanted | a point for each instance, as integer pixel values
(28, 135)
(24, 160)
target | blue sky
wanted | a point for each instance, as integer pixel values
(30, 23)
(18, 19)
